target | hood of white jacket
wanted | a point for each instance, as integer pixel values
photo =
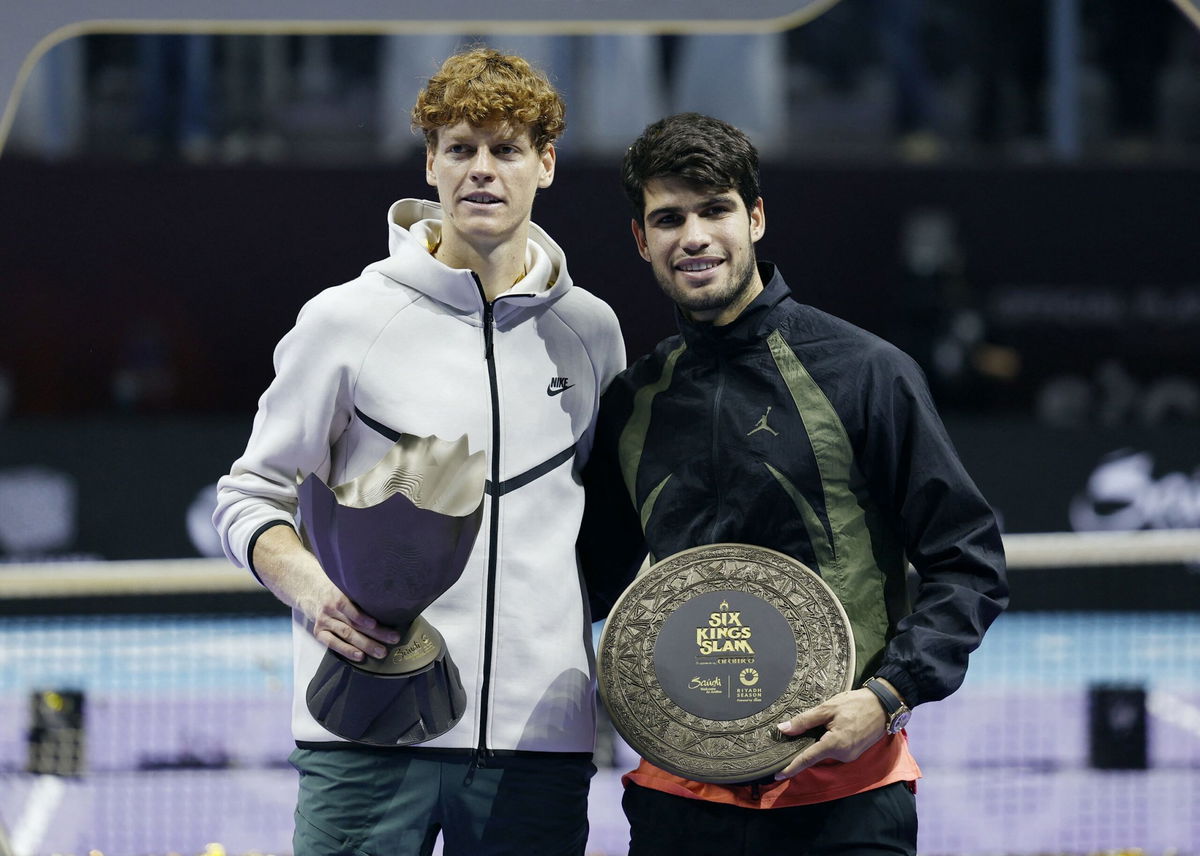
(415, 228)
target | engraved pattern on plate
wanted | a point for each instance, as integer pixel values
(723, 751)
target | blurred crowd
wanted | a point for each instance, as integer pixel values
(918, 80)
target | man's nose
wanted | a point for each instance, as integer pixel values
(483, 165)
(695, 234)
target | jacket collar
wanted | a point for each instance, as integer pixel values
(414, 228)
(752, 325)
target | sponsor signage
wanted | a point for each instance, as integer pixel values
(1126, 491)
(1045, 479)
(1039, 479)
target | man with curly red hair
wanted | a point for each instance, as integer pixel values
(470, 327)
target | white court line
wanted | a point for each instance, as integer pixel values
(44, 798)
(1178, 712)
(1037, 550)
(1043, 550)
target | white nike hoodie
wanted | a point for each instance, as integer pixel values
(412, 347)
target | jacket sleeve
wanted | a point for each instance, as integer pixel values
(948, 530)
(611, 545)
(300, 416)
(605, 347)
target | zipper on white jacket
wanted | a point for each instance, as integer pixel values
(481, 753)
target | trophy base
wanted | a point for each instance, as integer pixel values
(417, 648)
(411, 695)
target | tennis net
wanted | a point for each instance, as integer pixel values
(145, 706)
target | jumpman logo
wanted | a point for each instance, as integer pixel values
(762, 425)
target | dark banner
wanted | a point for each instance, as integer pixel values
(1056, 312)
(143, 488)
(1072, 294)
(1042, 479)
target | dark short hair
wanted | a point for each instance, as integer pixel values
(696, 148)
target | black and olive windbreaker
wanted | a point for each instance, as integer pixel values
(794, 430)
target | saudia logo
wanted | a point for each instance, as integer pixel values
(417, 646)
(724, 634)
(1122, 494)
(711, 686)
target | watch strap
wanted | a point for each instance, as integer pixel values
(890, 701)
(896, 712)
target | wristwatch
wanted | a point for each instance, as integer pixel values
(894, 708)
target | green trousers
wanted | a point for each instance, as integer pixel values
(370, 802)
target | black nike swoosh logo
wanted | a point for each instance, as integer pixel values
(560, 390)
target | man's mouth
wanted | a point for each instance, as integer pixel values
(697, 265)
(482, 198)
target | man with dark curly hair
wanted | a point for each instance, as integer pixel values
(768, 422)
(471, 327)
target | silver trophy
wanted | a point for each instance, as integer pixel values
(394, 540)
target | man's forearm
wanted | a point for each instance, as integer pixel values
(289, 570)
(293, 574)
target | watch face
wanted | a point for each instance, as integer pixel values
(898, 721)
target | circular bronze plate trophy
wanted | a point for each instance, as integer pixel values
(708, 649)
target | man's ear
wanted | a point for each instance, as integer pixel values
(430, 175)
(639, 238)
(758, 220)
(548, 158)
